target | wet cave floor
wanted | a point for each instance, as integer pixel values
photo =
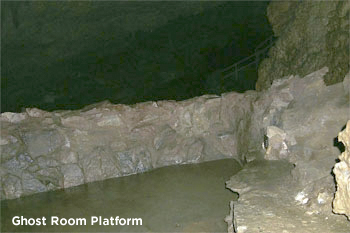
(181, 198)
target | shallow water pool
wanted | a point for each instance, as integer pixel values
(181, 198)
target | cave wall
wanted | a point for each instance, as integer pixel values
(291, 188)
(341, 203)
(310, 35)
(303, 131)
(307, 110)
(51, 150)
(44, 151)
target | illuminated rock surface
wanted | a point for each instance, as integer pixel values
(44, 151)
(341, 203)
(300, 118)
(267, 202)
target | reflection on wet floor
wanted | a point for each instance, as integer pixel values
(183, 198)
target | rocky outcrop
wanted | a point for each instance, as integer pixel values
(299, 119)
(310, 35)
(267, 202)
(303, 129)
(44, 151)
(341, 203)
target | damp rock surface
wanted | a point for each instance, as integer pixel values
(341, 203)
(302, 123)
(44, 151)
(300, 119)
(269, 202)
(310, 35)
(296, 119)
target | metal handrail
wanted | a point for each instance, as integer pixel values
(262, 48)
(239, 69)
(237, 63)
(270, 40)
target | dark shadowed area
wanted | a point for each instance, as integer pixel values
(65, 55)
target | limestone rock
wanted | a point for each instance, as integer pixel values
(346, 83)
(300, 117)
(277, 147)
(73, 175)
(67, 148)
(303, 129)
(42, 142)
(134, 161)
(13, 117)
(35, 112)
(51, 178)
(11, 186)
(341, 203)
(310, 35)
(269, 202)
(67, 157)
(98, 165)
(104, 140)
(32, 185)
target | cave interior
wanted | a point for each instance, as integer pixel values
(66, 55)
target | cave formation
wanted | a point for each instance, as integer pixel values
(180, 113)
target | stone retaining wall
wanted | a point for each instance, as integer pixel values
(44, 151)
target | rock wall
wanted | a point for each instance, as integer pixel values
(310, 35)
(44, 151)
(302, 130)
(296, 119)
(291, 187)
(341, 203)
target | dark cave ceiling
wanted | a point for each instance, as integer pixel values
(65, 55)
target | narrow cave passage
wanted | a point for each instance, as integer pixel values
(66, 55)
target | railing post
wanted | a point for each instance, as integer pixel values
(221, 83)
(236, 72)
